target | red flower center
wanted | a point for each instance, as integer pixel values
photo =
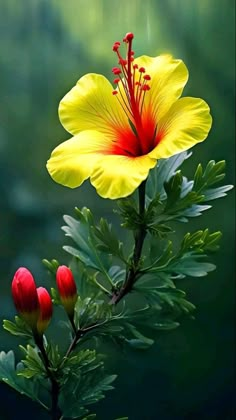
(132, 85)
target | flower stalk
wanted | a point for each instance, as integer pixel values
(55, 387)
(139, 237)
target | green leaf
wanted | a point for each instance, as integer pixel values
(19, 327)
(84, 383)
(127, 209)
(214, 193)
(122, 418)
(80, 232)
(182, 197)
(140, 342)
(86, 250)
(173, 189)
(32, 362)
(84, 280)
(109, 241)
(213, 173)
(190, 265)
(10, 376)
(164, 170)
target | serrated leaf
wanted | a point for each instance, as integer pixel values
(183, 197)
(19, 327)
(173, 190)
(164, 170)
(104, 232)
(86, 250)
(81, 388)
(33, 364)
(9, 375)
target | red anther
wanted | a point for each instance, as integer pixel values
(116, 80)
(142, 70)
(114, 92)
(116, 70)
(135, 66)
(145, 87)
(129, 36)
(137, 83)
(122, 62)
(147, 77)
(115, 47)
(131, 59)
(132, 52)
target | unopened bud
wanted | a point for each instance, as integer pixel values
(66, 288)
(25, 296)
(45, 309)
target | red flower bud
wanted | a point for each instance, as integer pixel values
(45, 306)
(67, 288)
(25, 296)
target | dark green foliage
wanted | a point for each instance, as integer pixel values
(84, 382)
(103, 272)
(9, 373)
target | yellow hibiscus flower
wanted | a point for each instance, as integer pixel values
(118, 135)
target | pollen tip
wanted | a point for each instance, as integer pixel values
(145, 87)
(142, 70)
(116, 46)
(116, 70)
(122, 62)
(114, 92)
(128, 37)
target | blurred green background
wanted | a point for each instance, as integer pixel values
(46, 45)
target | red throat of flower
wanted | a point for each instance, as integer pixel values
(135, 84)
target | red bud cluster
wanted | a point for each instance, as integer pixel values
(34, 305)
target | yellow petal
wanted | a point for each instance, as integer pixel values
(117, 176)
(168, 78)
(72, 162)
(187, 122)
(90, 105)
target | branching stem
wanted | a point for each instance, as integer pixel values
(139, 236)
(55, 387)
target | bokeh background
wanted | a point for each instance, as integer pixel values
(46, 45)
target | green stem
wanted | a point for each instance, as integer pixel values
(131, 275)
(80, 333)
(55, 387)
